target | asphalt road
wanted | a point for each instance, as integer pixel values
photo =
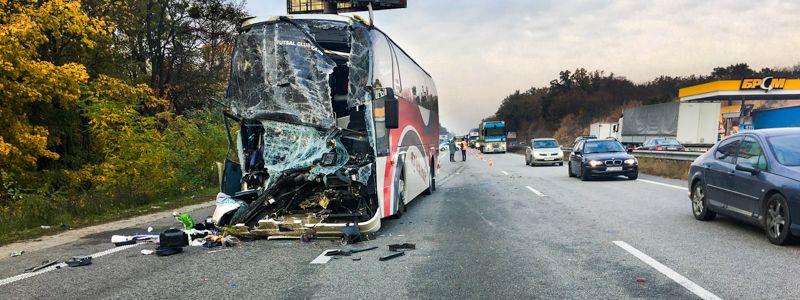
(483, 234)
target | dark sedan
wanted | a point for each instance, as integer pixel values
(594, 158)
(662, 144)
(752, 176)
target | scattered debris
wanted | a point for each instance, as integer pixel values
(640, 279)
(323, 258)
(219, 250)
(185, 219)
(123, 240)
(351, 234)
(391, 256)
(149, 229)
(147, 252)
(160, 251)
(79, 261)
(45, 227)
(63, 226)
(402, 247)
(17, 253)
(43, 265)
(356, 258)
(173, 238)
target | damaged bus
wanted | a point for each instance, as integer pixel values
(337, 126)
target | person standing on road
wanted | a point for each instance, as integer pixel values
(453, 149)
(463, 149)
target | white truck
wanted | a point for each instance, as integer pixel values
(604, 130)
(695, 125)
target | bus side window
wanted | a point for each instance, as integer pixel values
(383, 74)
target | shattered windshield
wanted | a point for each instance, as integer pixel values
(279, 74)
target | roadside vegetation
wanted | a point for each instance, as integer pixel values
(106, 107)
(676, 169)
(570, 103)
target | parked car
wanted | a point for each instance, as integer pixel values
(595, 158)
(752, 176)
(444, 145)
(662, 144)
(544, 152)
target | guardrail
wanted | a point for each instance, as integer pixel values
(668, 155)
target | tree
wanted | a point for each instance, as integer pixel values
(27, 80)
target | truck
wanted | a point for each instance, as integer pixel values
(604, 130)
(472, 137)
(492, 137)
(695, 125)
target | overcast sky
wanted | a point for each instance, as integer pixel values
(479, 51)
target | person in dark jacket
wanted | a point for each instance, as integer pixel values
(453, 149)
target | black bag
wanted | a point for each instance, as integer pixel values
(173, 238)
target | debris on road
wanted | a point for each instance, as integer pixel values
(17, 253)
(147, 252)
(402, 247)
(219, 250)
(185, 219)
(43, 265)
(356, 258)
(323, 258)
(168, 251)
(391, 256)
(351, 234)
(45, 227)
(79, 261)
(640, 279)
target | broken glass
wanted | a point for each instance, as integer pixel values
(279, 74)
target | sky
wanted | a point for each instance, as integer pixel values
(480, 51)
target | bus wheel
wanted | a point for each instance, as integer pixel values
(431, 183)
(401, 200)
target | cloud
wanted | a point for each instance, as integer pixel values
(480, 51)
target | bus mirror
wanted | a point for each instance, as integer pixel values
(392, 113)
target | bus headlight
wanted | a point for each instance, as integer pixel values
(630, 161)
(595, 163)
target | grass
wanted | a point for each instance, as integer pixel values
(15, 231)
(675, 169)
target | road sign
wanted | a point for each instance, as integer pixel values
(318, 6)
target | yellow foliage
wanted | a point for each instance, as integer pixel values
(26, 79)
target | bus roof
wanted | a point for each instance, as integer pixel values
(327, 17)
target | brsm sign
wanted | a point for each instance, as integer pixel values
(766, 84)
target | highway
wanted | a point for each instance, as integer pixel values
(499, 232)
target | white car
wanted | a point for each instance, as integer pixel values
(544, 152)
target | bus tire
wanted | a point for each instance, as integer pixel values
(401, 201)
(432, 182)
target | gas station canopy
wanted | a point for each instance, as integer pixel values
(767, 88)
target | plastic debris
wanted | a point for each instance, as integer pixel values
(351, 234)
(640, 279)
(185, 219)
(123, 240)
(149, 229)
(43, 265)
(79, 261)
(402, 247)
(45, 227)
(391, 256)
(147, 252)
(17, 253)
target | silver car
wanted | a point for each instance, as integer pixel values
(544, 152)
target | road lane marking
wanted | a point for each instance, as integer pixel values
(664, 184)
(540, 194)
(61, 265)
(685, 282)
(504, 172)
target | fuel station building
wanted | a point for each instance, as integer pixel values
(750, 103)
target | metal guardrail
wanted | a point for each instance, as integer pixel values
(668, 155)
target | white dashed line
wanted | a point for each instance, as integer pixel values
(664, 184)
(61, 265)
(504, 172)
(685, 282)
(538, 193)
